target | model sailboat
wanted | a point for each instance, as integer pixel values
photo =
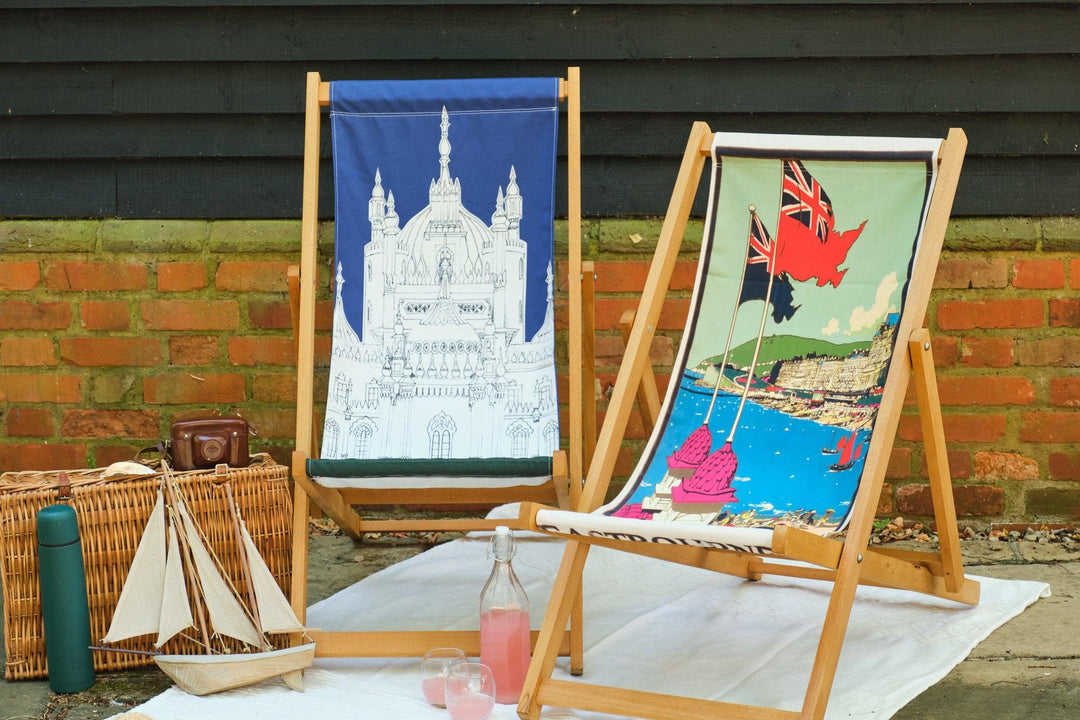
(172, 557)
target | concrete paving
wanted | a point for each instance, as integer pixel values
(1029, 669)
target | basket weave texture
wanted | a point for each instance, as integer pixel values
(112, 513)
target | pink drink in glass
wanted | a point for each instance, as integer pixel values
(470, 706)
(435, 690)
(504, 647)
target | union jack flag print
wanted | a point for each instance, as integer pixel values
(805, 200)
(762, 247)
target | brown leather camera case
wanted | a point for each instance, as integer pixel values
(207, 442)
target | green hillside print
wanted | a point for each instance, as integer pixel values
(785, 347)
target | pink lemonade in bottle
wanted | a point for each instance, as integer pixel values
(470, 706)
(504, 647)
(504, 621)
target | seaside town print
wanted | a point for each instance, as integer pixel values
(777, 400)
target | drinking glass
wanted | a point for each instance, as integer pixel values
(470, 691)
(433, 669)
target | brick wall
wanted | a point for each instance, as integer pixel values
(108, 329)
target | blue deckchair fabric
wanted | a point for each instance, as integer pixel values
(443, 340)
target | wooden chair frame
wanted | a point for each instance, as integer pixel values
(568, 465)
(846, 563)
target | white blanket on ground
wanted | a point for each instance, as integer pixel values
(649, 625)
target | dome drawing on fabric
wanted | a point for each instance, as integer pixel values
(442, 366)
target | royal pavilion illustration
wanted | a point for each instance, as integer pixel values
(442, 366)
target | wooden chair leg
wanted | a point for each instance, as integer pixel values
(564, 595)
(648, 398)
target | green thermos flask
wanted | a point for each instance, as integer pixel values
(64, 606)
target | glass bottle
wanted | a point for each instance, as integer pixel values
(504, 621)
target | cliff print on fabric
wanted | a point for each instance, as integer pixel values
(801, 285)
(443, 343)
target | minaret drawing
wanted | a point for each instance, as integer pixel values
(441, 366)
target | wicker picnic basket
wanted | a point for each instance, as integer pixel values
(112, 513)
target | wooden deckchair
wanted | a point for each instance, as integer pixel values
(780, 208)
(401, 479)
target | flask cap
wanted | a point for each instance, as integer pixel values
(57, 526)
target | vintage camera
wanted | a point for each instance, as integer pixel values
(206, 442)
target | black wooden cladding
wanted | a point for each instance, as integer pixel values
(192, 109)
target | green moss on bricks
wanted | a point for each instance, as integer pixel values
(263, 236)
(1061, 234)
(590, 233)
(48, 236)
(154, 236)
(1003, 233)
(635, 236)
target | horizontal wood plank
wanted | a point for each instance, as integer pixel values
(541, 31)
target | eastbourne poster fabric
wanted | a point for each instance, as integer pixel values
(443, 330)
(805, 263)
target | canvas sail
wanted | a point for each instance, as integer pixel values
(275, 613)
(139, 607)
(175, 607)
(226, 614)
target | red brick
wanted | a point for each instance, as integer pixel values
(958, 428)
(247, 276)
(1047, 502)
(191, 314)
(275, 350)
(971, 500)
(959, 464)
(1039, 274)
(276, 388)
(193, 349)
(45, 456)
(1058, 351)
(105, 455)
(946, 350)
(1065, 391)
(187, 389)
(28, 422)
(1064, 466)
(269, 315)
(1064, 312)
(19, 275)
(1005, 466)
(967, 273)
(27, 352)
(630, 275)
(1050, 427)
(180, 276)
(40, 387)
(40, 315)
(609, 350)
(324, 315)
(272, 423)
(899, 466)
(967, 315)
(986, 390)
(106, 315)
(1074, 273)
(110, 423)
(110, 351)
(988, 352)
(885, 501)
(95, 276)
(672, 316)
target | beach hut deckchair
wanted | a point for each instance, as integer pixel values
(442, 386)
(804, 329)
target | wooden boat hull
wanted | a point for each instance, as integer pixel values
(207, 674)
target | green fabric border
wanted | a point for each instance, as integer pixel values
(448, 467)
